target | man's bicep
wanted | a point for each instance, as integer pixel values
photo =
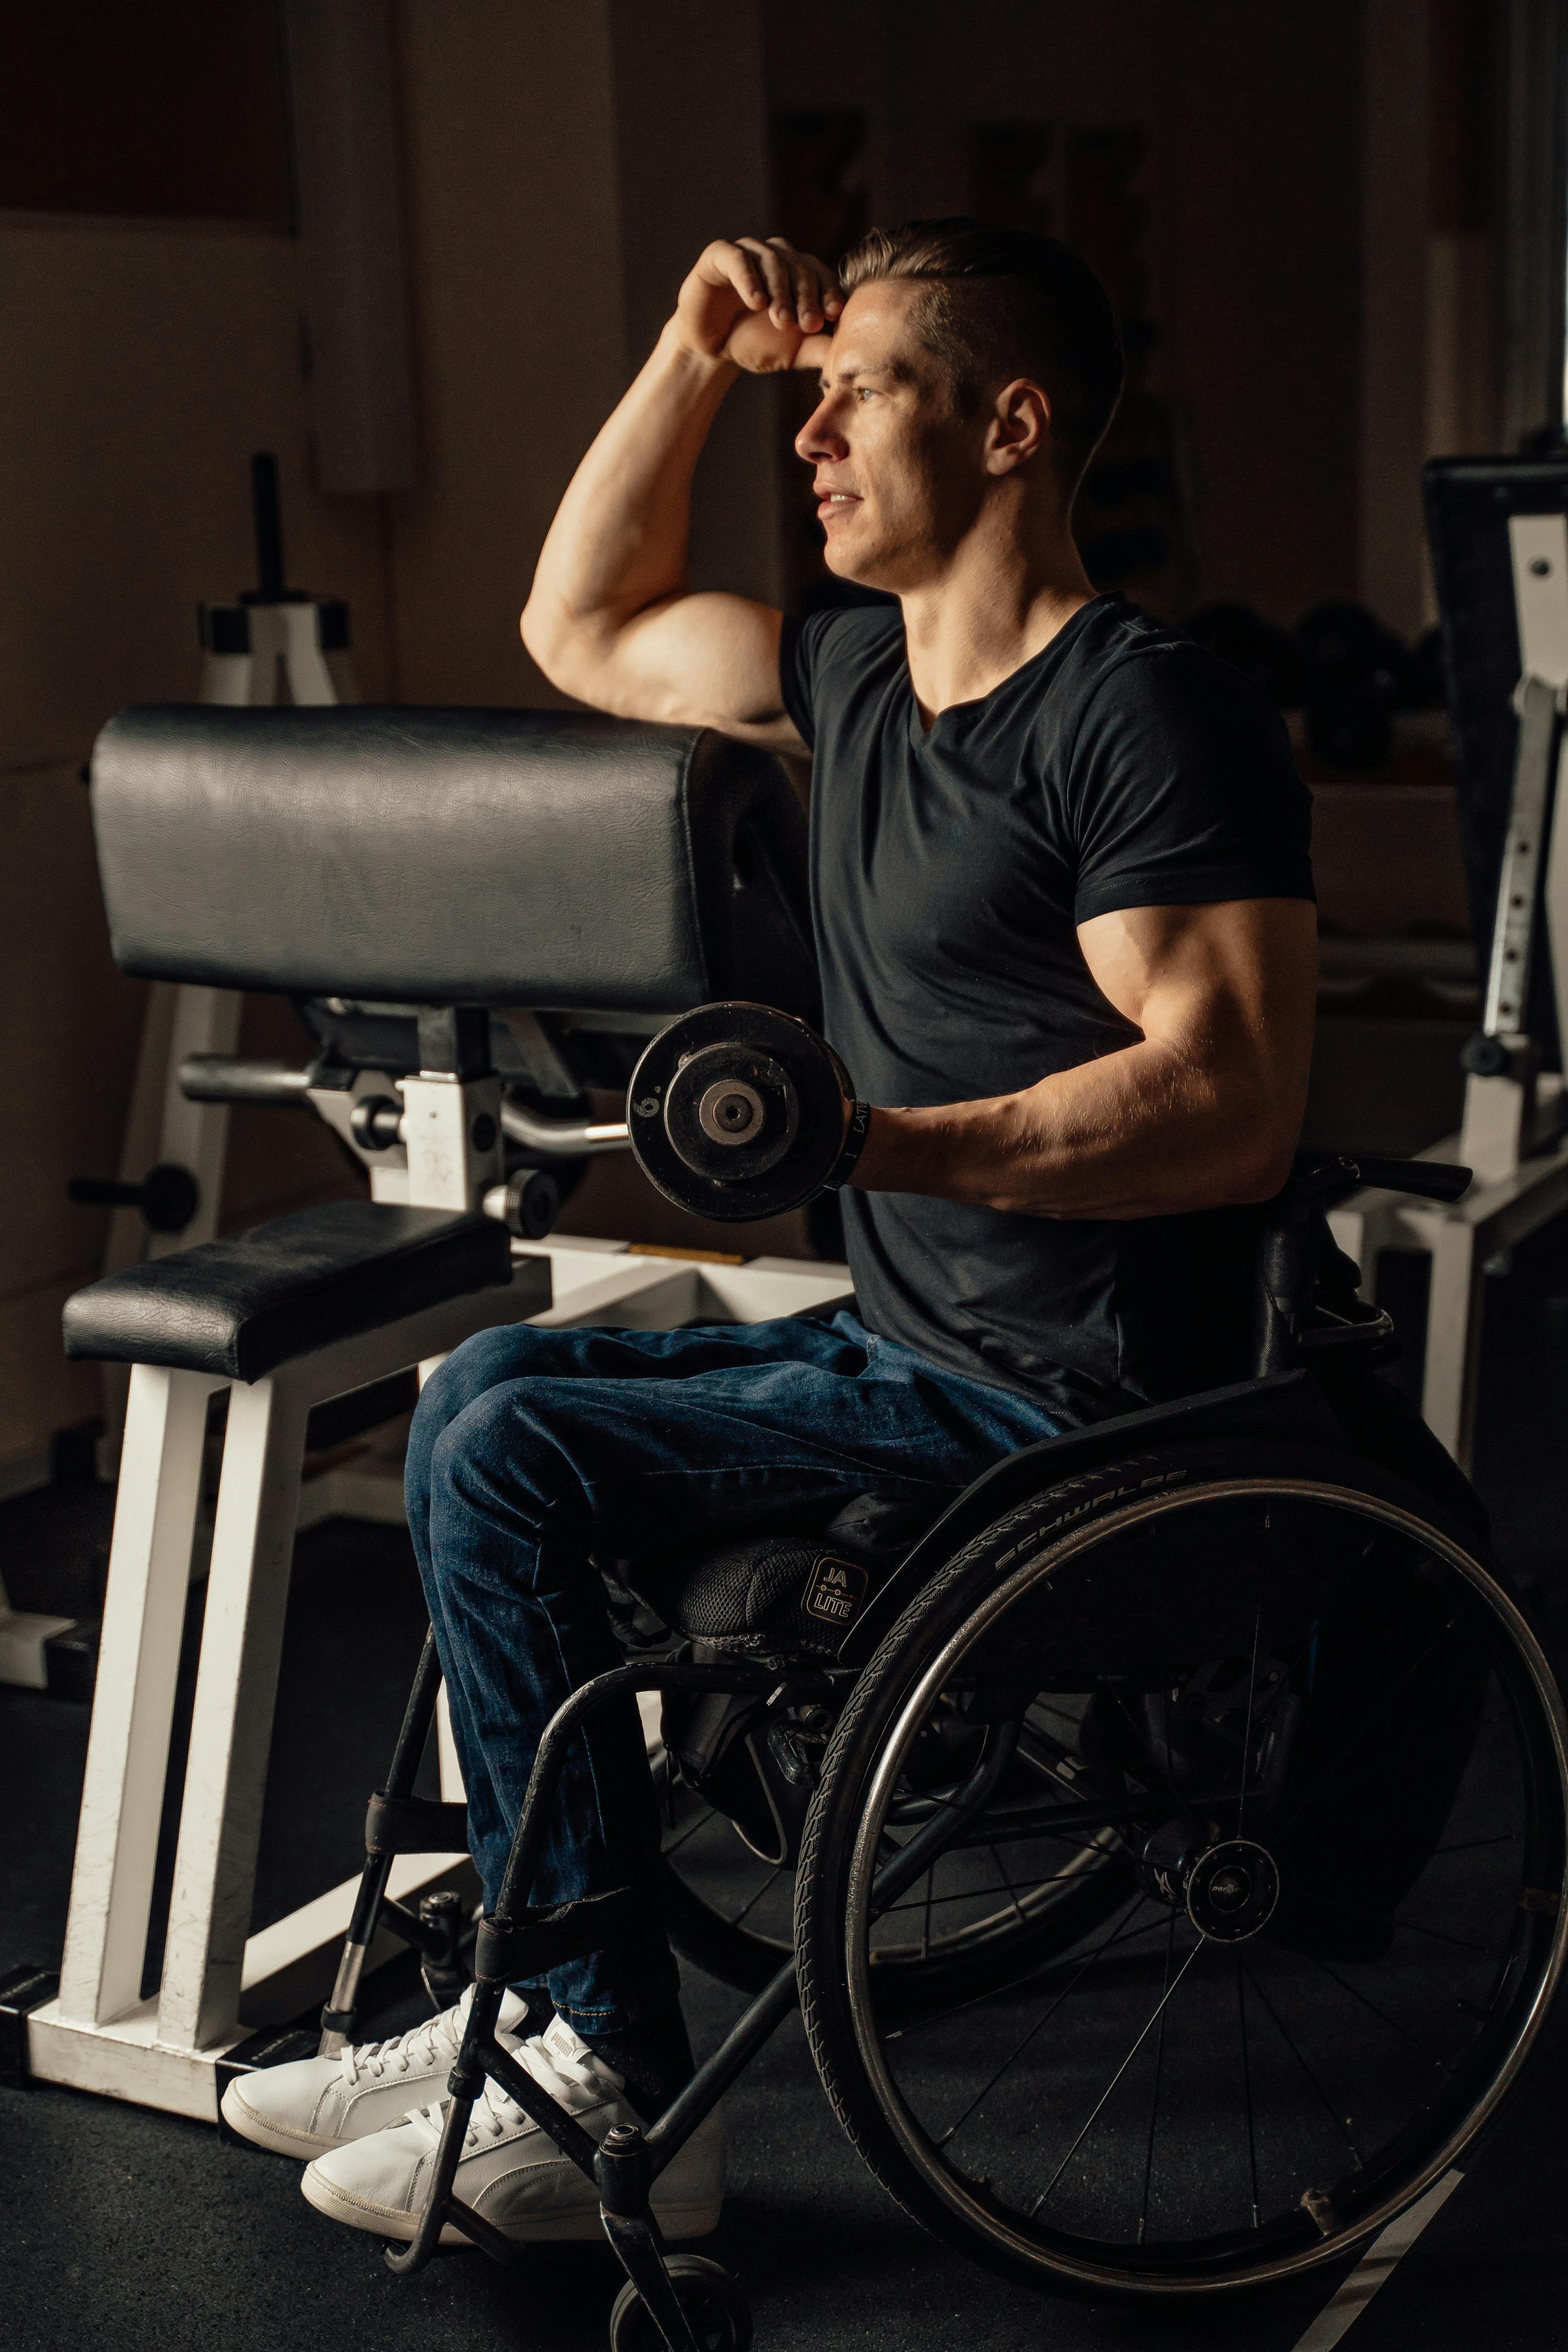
(706, 660)
(1254, 958)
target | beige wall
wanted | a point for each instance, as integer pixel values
(513, 202)
(140, 367)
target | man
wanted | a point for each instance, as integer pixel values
(1064, 918)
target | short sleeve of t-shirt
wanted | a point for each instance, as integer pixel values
(1182, 790)
(803, 646)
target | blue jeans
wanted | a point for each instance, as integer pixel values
(532, 1448)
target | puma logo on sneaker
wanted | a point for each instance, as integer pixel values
(510, 2171)
(313, 2105)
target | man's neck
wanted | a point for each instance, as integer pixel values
(993, 607)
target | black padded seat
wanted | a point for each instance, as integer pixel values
(240, 1306)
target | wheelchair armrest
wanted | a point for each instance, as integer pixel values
(1429, 1179)
(1322, 1178)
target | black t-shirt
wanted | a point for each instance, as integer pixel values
(1122, 766)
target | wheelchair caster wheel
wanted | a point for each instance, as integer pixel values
(716, 2311)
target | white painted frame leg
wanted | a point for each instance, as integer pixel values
(225, 1776)
(127, 1748)
(1451, 1373)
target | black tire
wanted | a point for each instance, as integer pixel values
(1194, 1503)
(717, 2311)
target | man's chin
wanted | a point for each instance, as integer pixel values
(859, 566)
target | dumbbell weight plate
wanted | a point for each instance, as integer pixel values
(737, 1111)
(731, 1112)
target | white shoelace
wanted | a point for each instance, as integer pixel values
(496, 2111)
(425, 2044)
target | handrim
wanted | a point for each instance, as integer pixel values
(939, 2177)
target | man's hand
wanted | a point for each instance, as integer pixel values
(754, 301)
(611, 618)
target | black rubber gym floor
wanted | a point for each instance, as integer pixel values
(123, 2228)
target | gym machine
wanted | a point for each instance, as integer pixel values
(288, 851)
(1498, 530)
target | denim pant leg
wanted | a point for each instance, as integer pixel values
(511, 1652)
(530, 1447)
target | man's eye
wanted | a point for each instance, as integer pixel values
(864, 392)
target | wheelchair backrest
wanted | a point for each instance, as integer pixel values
(429, 857)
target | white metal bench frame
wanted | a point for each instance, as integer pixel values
(99, 2034)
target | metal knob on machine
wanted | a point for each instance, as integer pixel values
(168, 1195)
(738, 1111)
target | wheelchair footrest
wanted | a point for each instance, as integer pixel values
(509, 1951)
(415, 1825)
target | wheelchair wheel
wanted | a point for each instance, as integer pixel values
(1331, 1757)
(731, 1912)
(716, 2311)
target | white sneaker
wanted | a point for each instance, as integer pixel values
(318, 2103)
(508, 2170)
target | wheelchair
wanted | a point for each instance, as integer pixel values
(1198, 1769)
(1201, 1756)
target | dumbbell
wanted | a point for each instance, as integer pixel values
(738, 1111)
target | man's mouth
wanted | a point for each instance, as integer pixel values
(834, 501)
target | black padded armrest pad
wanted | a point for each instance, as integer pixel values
(542, 858)
(241, 1307)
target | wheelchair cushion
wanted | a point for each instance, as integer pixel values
(239, 1308)
(507, 857)
(793, 1595)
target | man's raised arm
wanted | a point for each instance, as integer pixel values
(610, 618)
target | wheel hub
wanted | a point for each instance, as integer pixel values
(1229, 1887)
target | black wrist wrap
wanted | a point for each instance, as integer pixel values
(855, 1136)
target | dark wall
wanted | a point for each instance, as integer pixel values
(167, 109)
(1250, 124)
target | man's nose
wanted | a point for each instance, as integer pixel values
(820, 435)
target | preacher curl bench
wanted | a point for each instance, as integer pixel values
(1165, 1848)
(398, 874)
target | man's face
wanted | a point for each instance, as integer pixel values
(899, 473)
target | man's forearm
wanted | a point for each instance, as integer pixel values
(1142, 1133)
(618, 542)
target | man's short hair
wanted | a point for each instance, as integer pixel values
(1002, 303)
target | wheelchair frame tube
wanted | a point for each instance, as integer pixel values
(550, 1760)
(338, 2016)
(667, 2137)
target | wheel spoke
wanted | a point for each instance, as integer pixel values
(980, 1894)
(1021, 2047)
(777, 1872)
(1165, 1999)
(1246, 1734)
(690, 1830)
(1154, 2094)
(1392, 2022)
(1247, 2089)
(1437, 1935)
(1331, 1771)
(1006, 1887)
(1329, 2107)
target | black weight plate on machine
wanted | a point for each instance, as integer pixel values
(737, 1111)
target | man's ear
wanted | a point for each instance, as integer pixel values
(1020, 425)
